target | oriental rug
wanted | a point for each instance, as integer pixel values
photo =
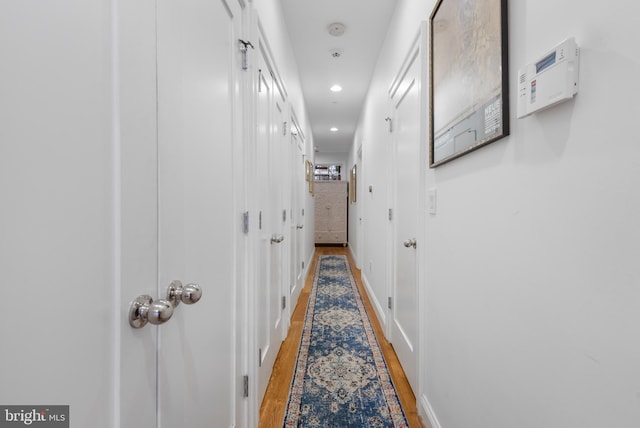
(341, 378)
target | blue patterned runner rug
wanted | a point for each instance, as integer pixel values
(341, 378)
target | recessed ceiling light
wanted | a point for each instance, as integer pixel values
(336, 29)
(336, 88)
(334, 129)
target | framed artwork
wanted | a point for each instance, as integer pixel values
(352, 184)
(469, 78)
(309, 175)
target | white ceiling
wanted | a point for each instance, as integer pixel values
(366, 23)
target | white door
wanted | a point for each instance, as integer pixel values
(293, 247)
(106, 195)
(406, 145)
(297, 188)
(278, 185)
(197, 221)
(59, 236)
(268, 269)
(359, 209)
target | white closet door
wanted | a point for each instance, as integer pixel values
(197, 225)
(406, 146)
(269, 273)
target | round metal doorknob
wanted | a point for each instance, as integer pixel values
(145, 310)
(299, 226)
(410, 243)
(187, 294)
(276, 239)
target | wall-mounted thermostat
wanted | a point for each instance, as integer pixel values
(550, 80)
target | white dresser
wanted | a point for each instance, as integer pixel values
(330, 212)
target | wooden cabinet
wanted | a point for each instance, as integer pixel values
(331, 212)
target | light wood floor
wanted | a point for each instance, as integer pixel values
(275, 398)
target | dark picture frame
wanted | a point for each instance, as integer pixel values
(469, 77)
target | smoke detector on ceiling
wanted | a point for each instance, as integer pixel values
(336, 53)
(336, 29)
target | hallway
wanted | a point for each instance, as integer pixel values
(147, 147)
(275, 399)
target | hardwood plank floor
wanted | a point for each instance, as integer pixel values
(275, 398)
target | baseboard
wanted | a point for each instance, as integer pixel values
(427, 411)
(353, 256)
(377, 307)
(307, 266)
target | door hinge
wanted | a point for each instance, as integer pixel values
(260, 80)
(303, 265)
(389, 123)
(389, 302)
(244, 47)
(245, 386)
(260, 357)
(284, 128)
(245, 222)
(284, 302)
(284, 215)
(390, 214)
(260, 220)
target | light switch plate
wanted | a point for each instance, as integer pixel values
(432, 201)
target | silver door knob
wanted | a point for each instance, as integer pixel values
(187, 294)
(410, 243)
(145, 310)
(299, 226)
(276, 239)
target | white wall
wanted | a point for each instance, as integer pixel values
(374, 179)
(355, 208)
(530, 290)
